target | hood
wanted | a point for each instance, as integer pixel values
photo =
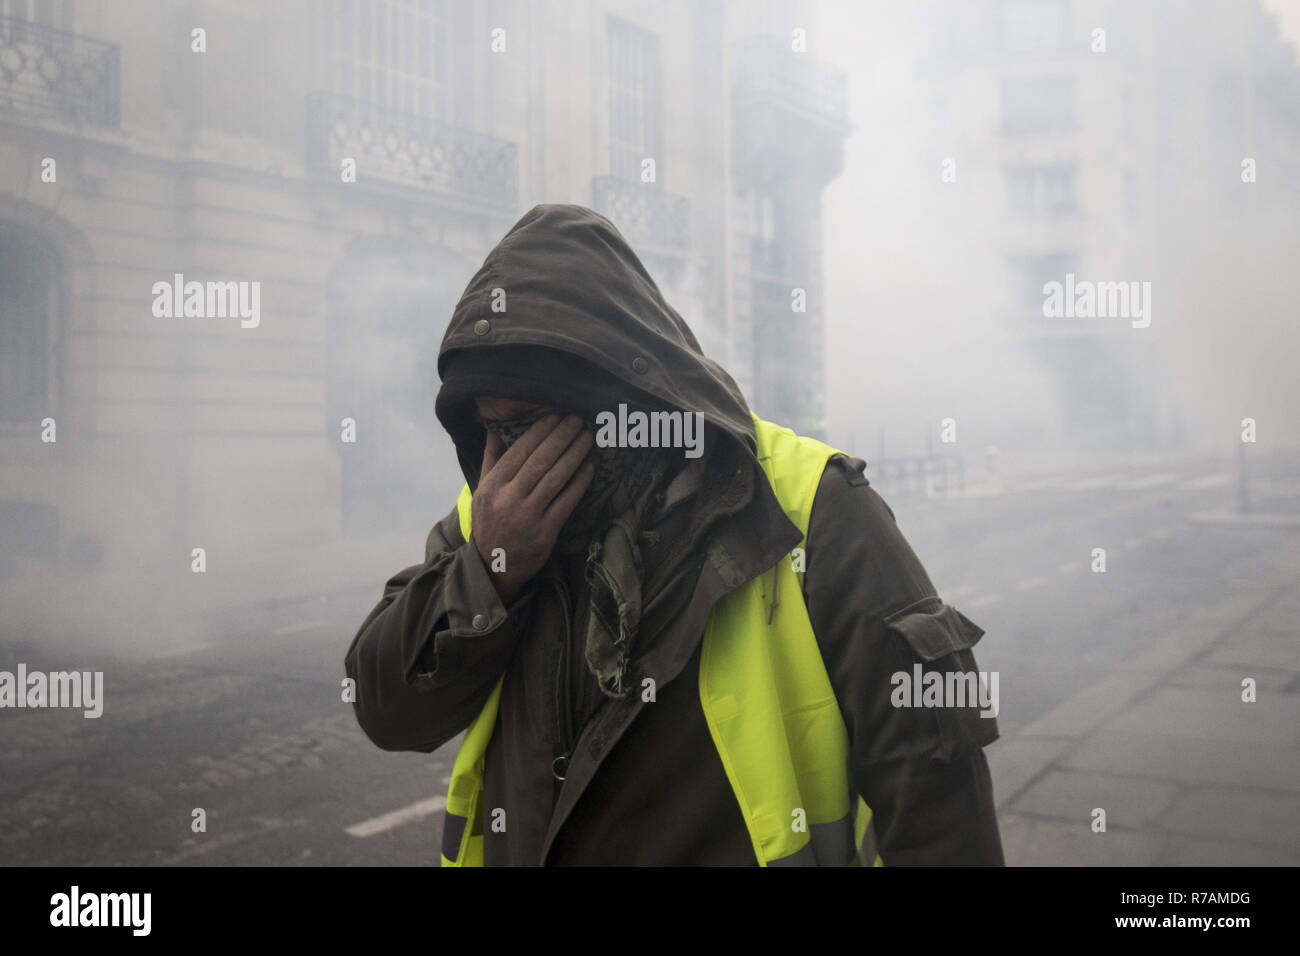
(564, 280)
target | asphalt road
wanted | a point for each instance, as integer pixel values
(252, 729)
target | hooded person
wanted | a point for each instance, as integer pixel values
(590, 348)
(601, 543)
(585, 766)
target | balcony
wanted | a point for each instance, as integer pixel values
(766, 71)
(409, 150)
(790, 114)
(647, 216)
(50, 74)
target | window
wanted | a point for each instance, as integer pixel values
(1040, 104)
(635, 120)
(1036, 191)
(1027, 26)
(395, 54)
(29, 297)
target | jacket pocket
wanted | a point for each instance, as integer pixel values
(940, 639)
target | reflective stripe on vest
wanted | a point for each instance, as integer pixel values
(765, 695)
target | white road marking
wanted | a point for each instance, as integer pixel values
(223, 840)
(1029, 583)
(984, 601)
(416, 811)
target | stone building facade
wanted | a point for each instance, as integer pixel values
(142, 140)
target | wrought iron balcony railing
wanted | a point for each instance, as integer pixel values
(644, 214)
(410, 150)
(766, 70)
(51, 73)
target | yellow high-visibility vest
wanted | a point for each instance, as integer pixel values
(766, 698)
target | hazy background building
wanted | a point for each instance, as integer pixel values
(697, 127)
(856, 205)
(1016, 141)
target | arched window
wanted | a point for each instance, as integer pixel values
(29, 340)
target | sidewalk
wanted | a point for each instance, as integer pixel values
(1187, 772)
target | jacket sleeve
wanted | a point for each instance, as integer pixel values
(423, 670)
(922, 770)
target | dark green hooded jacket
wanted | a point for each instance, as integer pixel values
(579, 324)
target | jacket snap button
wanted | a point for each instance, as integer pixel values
(640, 365)
(482, 326)
(479, 622)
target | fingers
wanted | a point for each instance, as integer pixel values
(547, 454)
(492, 450)
(559, 510)
(509, 463)
(553, 482)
